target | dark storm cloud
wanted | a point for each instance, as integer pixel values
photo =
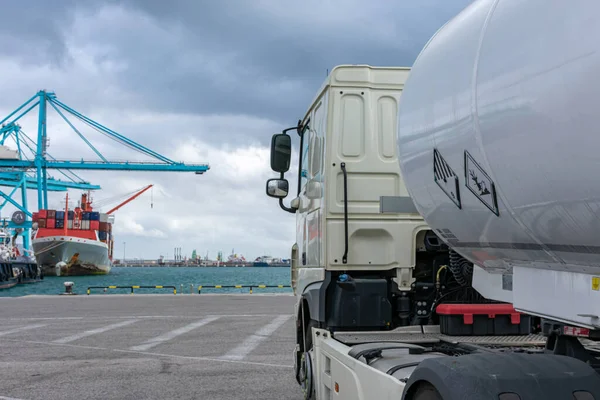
(33, 31)
(260, 58)
(270, 59)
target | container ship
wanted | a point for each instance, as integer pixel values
(73, 242)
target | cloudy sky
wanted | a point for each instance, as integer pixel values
(204, 81)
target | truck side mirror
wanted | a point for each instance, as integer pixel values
(281, 152)
(277, 188)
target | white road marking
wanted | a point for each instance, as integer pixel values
(21, 329)
(149, 354)
(252, 341)
(205, 359)
(173, 334)
(8, 398)
(55, 344)
(39, 318)
(94, 331)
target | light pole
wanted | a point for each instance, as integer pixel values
(124, 253)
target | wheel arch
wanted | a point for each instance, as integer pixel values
(311, 307)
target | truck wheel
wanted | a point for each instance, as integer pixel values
(306, 376)
(305, 372)
(426, 391)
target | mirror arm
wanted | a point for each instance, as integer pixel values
(299, 127)
(286, 208)
(283, 206)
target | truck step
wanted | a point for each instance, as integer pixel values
(431, 335)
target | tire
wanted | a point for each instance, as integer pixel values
(309, 393)
(306, 345)
(426, 391)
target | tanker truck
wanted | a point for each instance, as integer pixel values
(448, 215)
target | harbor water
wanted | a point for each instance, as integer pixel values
(185, 279)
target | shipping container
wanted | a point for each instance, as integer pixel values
(103, 217)
(42, 213)
(41, 223)
(85, 215)
(85, 224)
(103, 226)
(35, 216)
(60, 215)
(71, 215)
(51, 214)
(50, 223)
(70, 224)
(94, 216)
(102, 235)
(60, 223)
(94, 225)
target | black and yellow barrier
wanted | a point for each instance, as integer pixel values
(200, 287)
(132, 288)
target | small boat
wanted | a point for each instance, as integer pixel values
(9, 277)
(15, 268)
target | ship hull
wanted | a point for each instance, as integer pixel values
(8, 284)
(80, 256)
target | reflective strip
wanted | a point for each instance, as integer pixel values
(397, 204)
(238, 286)
(217, 286)
(135, 287)
(158, 287)
(112, 287)
(262, 286)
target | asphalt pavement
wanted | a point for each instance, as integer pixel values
(147, 347)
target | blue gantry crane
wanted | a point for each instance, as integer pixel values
(24, 181)
(20, 171)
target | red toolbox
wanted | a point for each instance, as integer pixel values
(482, 320)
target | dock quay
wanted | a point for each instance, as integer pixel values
(212, 346)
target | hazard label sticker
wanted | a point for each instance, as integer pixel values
(446, 178)
(596, 283)
(480, 184)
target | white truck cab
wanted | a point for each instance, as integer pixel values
(354, 215)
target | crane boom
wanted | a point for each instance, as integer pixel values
(129, 199)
